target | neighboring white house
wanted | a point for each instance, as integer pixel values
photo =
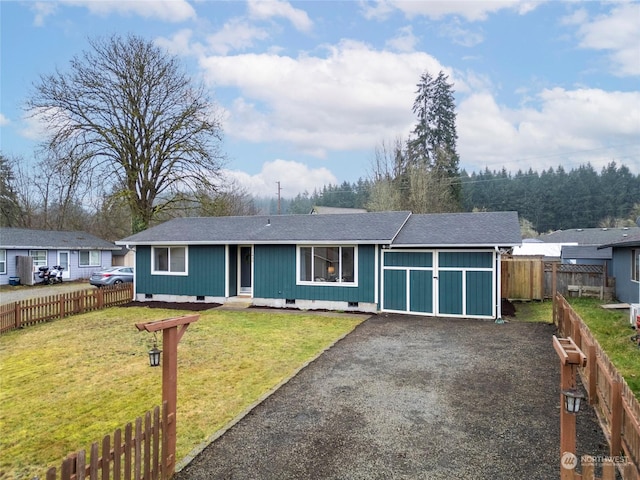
(534, 247)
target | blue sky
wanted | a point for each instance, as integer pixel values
(308, 90)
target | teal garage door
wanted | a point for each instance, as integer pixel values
(447, 283)
(408, 282)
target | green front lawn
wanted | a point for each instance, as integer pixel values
(612, 330)
(68, 383)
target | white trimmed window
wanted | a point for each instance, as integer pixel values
(39, 258)
(635, 264)
(90, 258)
(3, 260)
(330, 265)
(169, 260)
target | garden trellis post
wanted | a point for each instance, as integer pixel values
(571, 357)
(172, 331)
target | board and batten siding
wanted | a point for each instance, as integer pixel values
(206, 276)
(432, 282)
(275, 277)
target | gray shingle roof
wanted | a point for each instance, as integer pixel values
(379, 227)
(586, 251)
(320, 210)
(21, 238)
(461, 229)
(590, 236)
(632, 240)
(396, 228)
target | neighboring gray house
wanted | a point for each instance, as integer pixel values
(626, 267)
(587, 242)
(78, 252)
(590, 236)
(587, 255)
(436, 264)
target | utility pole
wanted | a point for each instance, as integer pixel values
(278, 193)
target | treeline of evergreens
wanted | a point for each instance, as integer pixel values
(552, 199)
(556, 199)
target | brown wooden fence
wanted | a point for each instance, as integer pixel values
(139, 453)
(533, 278)
(615, 404)
(522, 278)
(25, 313)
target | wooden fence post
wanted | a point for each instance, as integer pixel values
(592, 365)
(16, 315)
(165, 442)
(616, 418)
(554, 284)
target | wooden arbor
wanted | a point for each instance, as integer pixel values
(571, 357)
(172, 331)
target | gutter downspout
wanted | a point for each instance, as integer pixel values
(499, 319)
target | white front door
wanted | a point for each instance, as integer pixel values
(63, 261)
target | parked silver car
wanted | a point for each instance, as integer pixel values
(111, 276)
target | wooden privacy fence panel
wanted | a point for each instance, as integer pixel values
(38, 310)
(532, 278)
(578, 277)
(522, 278)
(615, 404)
(140, 453)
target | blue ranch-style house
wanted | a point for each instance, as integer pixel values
(431, 264)
(626, 267)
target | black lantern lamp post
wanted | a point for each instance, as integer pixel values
(154, 353)
(572, 400)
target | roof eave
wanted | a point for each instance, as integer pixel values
(455, 245)
(255, 242)
(54, 247)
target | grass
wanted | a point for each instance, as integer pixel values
(612, 330)
(541, 312)
(68, 383)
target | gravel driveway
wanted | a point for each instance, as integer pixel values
(15, 294)
(405, 397)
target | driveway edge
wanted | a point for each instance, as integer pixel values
(213, 437)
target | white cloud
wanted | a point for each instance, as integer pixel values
(461, 35)
(404, 41)
(470, 10)
(294, 177)
(33, 127)
(350, 99)
(41, 11)
(569, 127)
(236, 34)
(618, 33)
(264, 10)
(180, 43)
(4, 121)
(166, 10)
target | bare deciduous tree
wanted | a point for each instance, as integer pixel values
(129, 115)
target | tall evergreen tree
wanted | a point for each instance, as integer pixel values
(433, 140)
